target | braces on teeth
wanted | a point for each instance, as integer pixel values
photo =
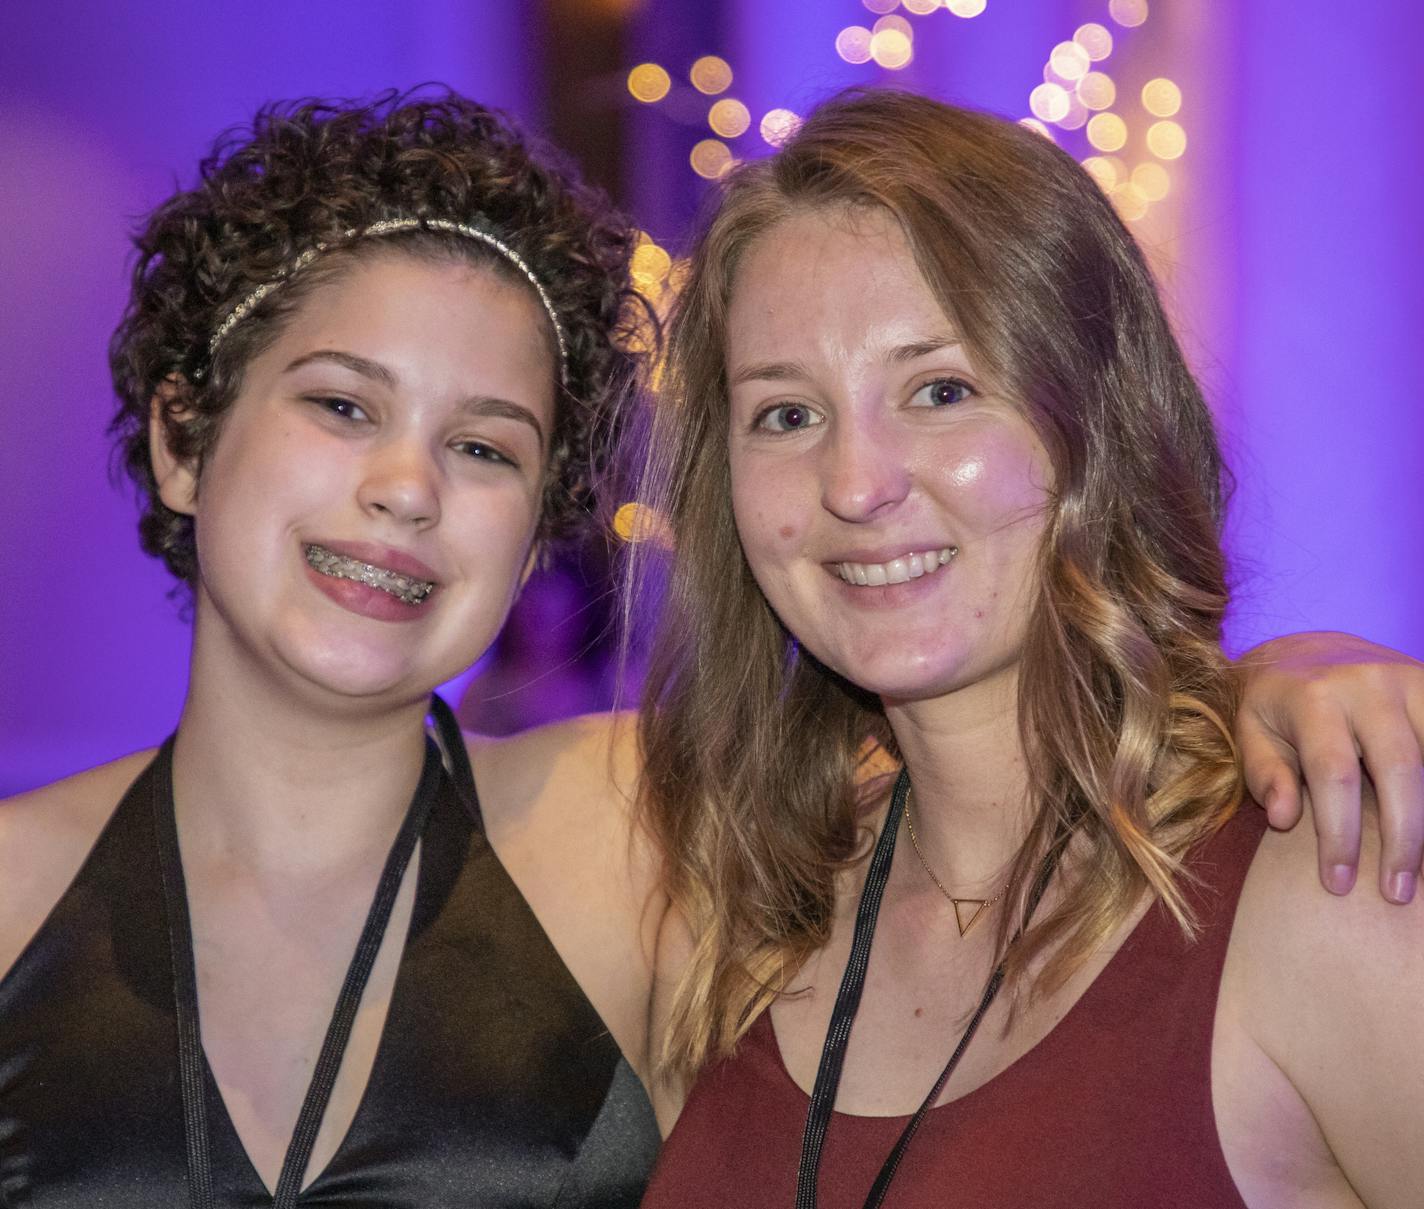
(402, 587)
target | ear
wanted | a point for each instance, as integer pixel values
(177, 478)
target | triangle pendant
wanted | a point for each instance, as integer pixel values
(967, 912)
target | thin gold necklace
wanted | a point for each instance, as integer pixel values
(967, 911)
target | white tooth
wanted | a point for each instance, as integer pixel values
(844, 571)
(897, 571)
(861, 576)
(917, 566)
(945, 555)
(875, 575)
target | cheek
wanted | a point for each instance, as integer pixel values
(999, 479)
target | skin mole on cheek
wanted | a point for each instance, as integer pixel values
(919, 1012)
(787, 532)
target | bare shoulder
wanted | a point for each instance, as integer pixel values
(1332, 991)
(586, 767)
(559, 809)
(45, 834)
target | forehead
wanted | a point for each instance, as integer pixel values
(431, 320)
(841, 275)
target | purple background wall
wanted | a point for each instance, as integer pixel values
(1290, 249)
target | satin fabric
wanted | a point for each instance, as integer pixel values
(496, 1084)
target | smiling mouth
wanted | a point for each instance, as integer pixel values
(339, 566)
(897, 570)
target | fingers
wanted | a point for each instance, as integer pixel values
(1392, 758)
(1332, 778)
(1271, 771)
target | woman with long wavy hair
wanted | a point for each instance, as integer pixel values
(945, 499)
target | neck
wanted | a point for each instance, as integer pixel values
(275, 780)
(970, 799)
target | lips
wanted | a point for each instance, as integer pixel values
(398, 574)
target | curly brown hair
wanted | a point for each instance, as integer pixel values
(301, 175)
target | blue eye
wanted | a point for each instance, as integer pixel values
(787, 417)
(941, 393)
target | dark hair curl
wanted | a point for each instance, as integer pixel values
(304, 173)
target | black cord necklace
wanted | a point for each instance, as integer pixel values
(828, 1074)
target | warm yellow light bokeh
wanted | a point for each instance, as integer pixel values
(1049, 102)
(1161, 98)
(1107, 132)
(891, 49)
(853, 44)
(1070, 61)
(1077, 115)
(779, 125)
(729, 117)
(966, 8)
(711, 158)
(1096, 39)
(1152, 181)
(1129, 202)
(1128, 12)
(1037, 127)
(1105, 169)
(1097, 91)
(881, 6)
(921, 8)
(649, 262)
(711, 75)
(1166, 140)
(894, 21)
(649, 82)
(635, 522)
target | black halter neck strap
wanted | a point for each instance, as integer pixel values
(828, 1074)
(338, 1033)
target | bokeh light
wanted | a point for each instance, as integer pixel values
(966, 8)
(650, 262)
(1070, 61)
(1049, 102)
(711, 158)
(1129, 202)
(1107, 132)
(1152, 181)
(1037, 127)
(729, 117)
(1096, 39)
(1161, 98)
(853, 44)
(881, 6)
(1105, 169)
(921, 8)
(894, 21)
(1076, 116)
(649, 82)
(634, 522)
(1097, 91)
(711, 75)
(779, 125)
(1166, 140)
(1128, 12)
(891, 49)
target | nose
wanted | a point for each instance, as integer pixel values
(400, 481)
(863, 474)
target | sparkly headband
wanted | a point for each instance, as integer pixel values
(390, 226)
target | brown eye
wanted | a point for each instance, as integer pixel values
(787, 417)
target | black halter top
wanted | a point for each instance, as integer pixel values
(495, 1082)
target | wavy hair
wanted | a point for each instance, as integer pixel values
(303, 173)
(755, 784)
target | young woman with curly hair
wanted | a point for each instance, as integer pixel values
(944, 495)
(367, 370)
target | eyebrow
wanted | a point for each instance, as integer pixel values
(479, 405)
(794, 371)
